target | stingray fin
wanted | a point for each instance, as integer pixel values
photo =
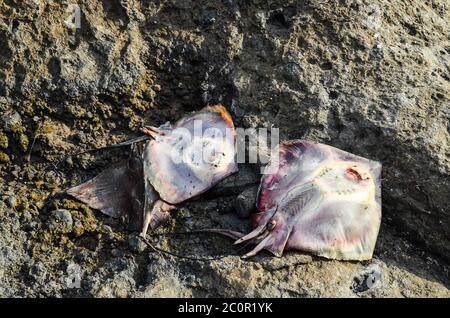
(117, 191)
(296, 160)
(339, 230)
(109, 191)
(155, 215)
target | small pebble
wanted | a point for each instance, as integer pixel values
(244, 203)
(136, 244)
(11, 121)
(12, 201)
(116, 252)
(107, 229)
(61, 220)
(78, 228)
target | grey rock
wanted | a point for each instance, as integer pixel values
(136, 244)
(291, 71)
(236, 183)
(12, 201)
(10, 121)
(29, 226)
(3, 206)
(38, 272)
(118, 287)
(370, 278)
(61, 220)
(208, 17)
(81, 256)
(245, 203)
(8, 254)
(118, 253)
(27, 216)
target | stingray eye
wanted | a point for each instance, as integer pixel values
(271, 225)
(353, 174)
(356, 174)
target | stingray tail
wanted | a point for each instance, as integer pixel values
(228, 233)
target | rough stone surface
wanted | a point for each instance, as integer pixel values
(10, 121)
(370, 77)
(136, 244)
(61, 220)
(245, 202)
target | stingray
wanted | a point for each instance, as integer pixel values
(318, 199)
(173, 165)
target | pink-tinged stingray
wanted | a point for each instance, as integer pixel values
(318, 199)
(176, 164)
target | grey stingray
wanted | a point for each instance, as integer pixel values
(318, 199)
(176, 164)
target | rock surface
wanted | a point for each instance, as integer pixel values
(370, 77)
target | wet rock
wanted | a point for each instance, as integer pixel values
(61, 221)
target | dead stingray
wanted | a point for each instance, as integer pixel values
(176, 164)
(318, 199)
